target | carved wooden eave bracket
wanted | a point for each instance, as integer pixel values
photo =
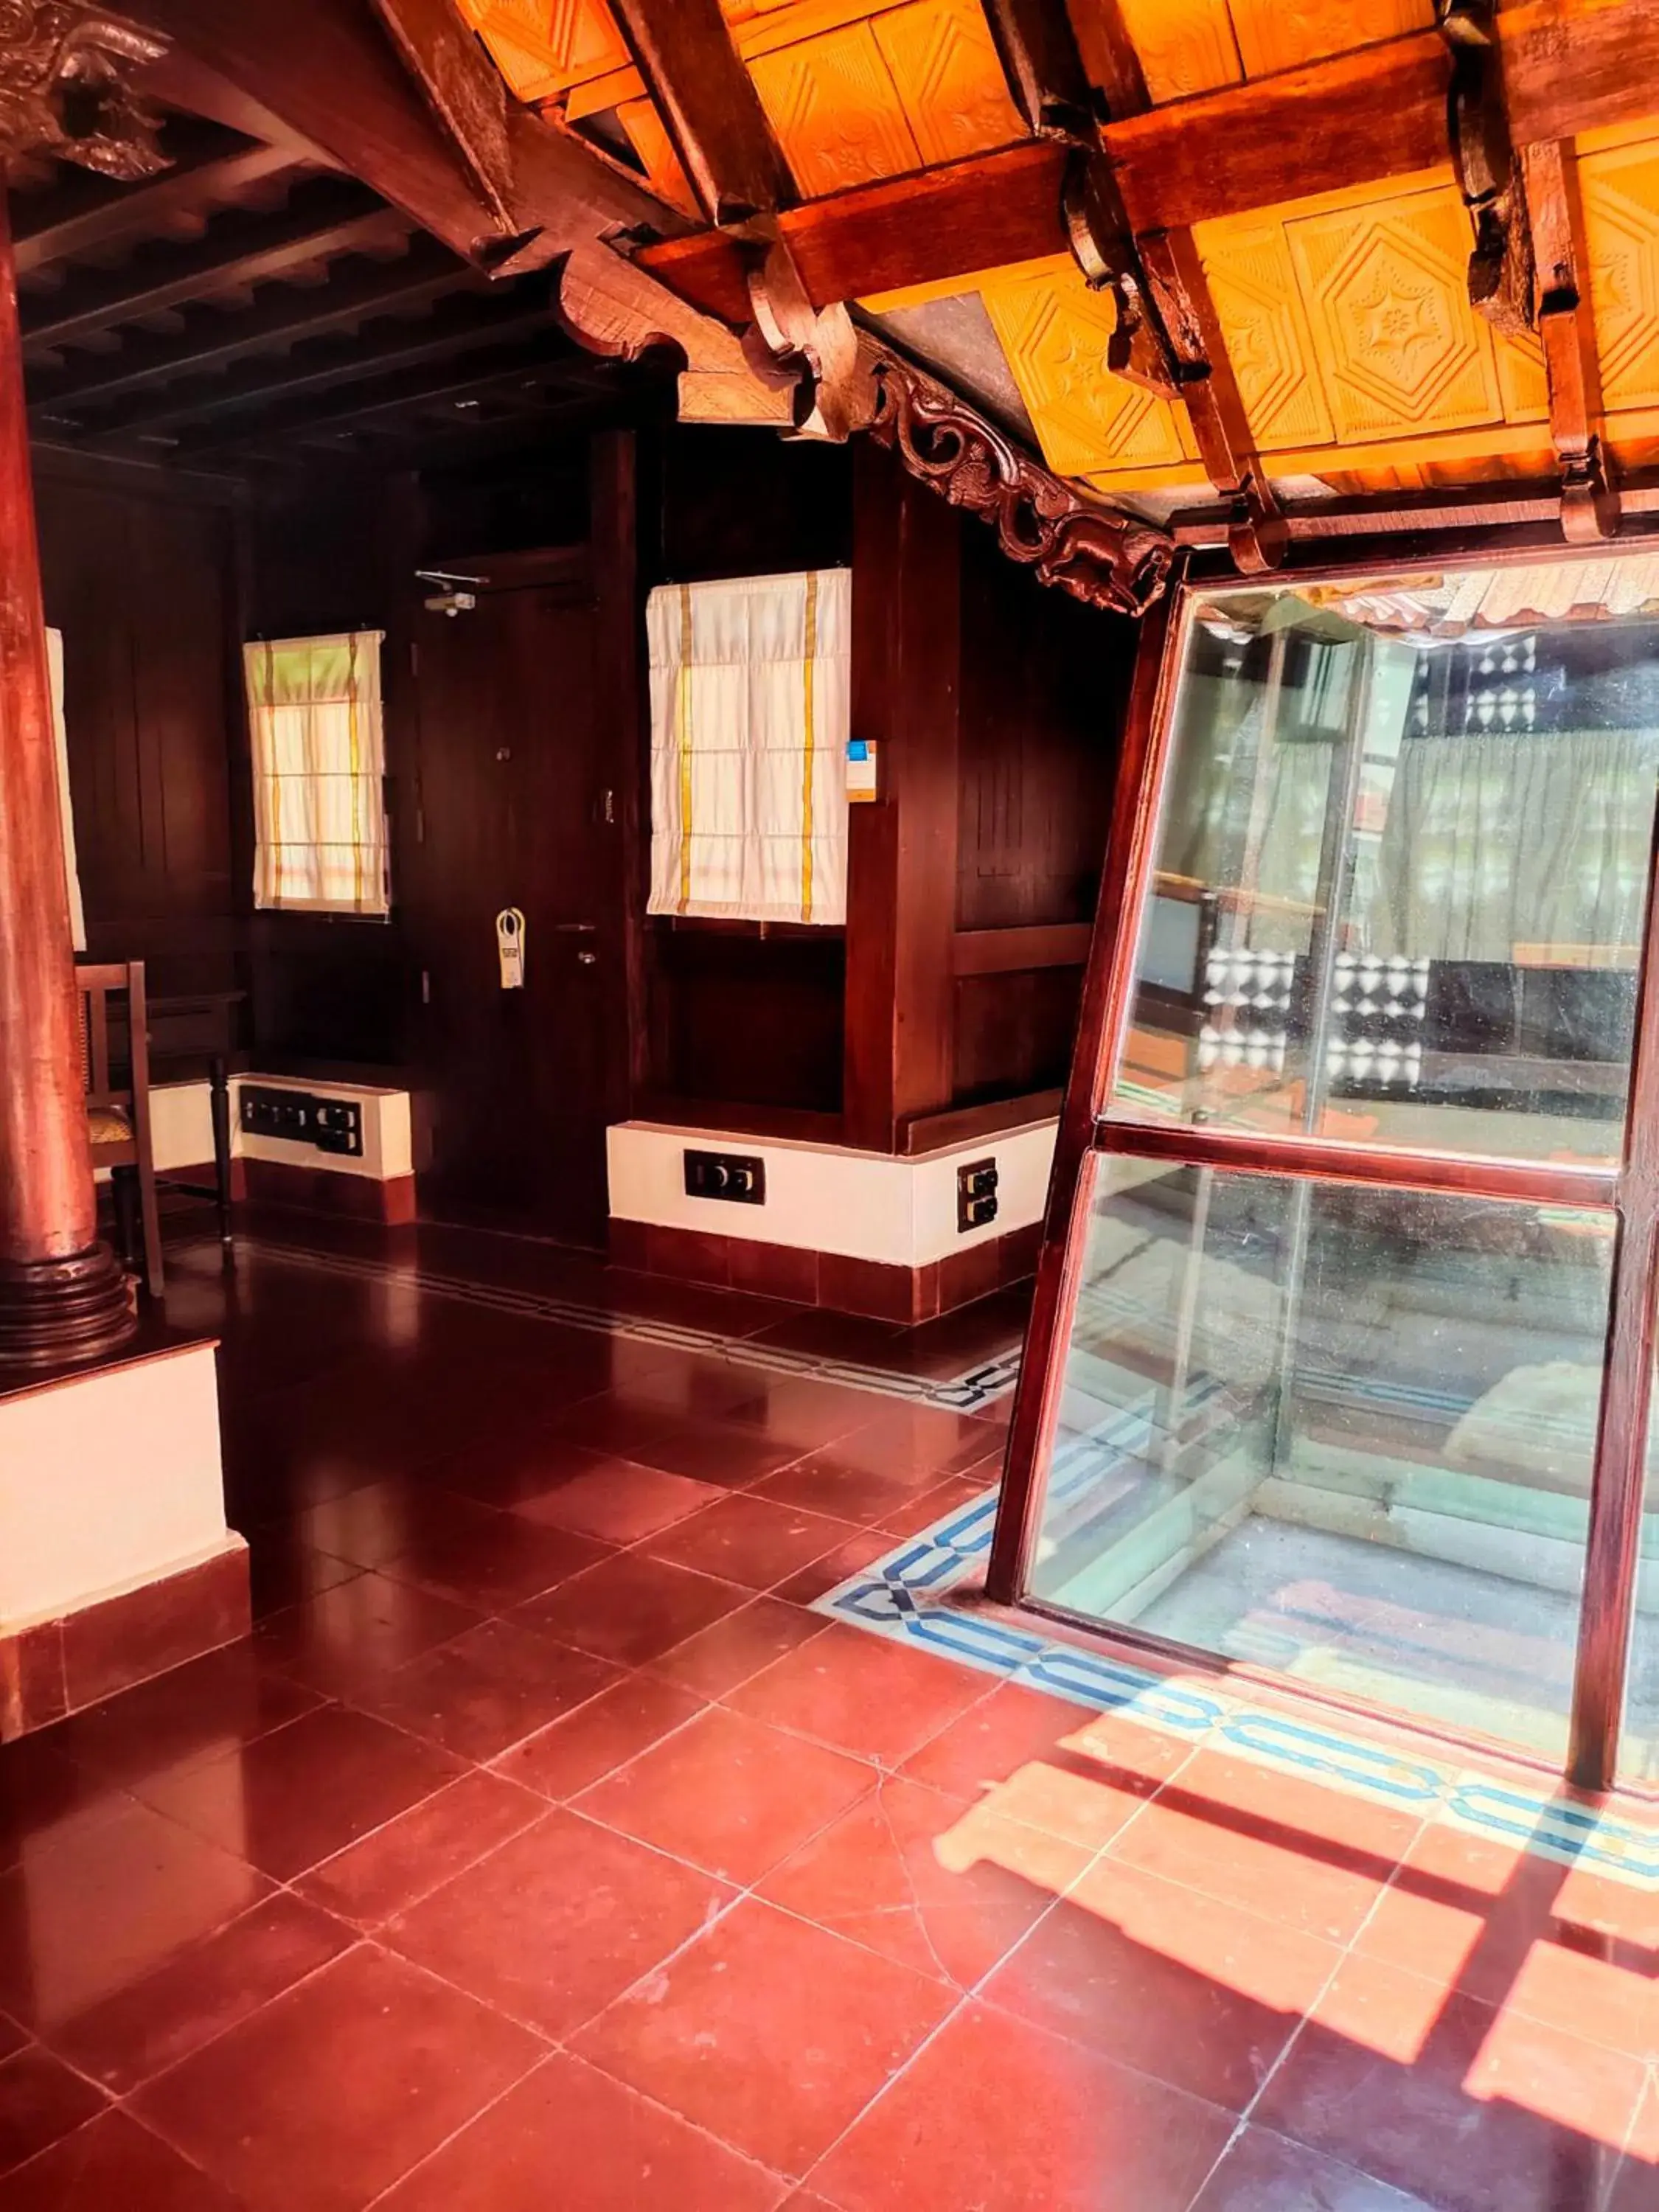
(1103, 558)
(63, 88)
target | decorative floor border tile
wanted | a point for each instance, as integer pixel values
(977, 1386)
(915, 1594)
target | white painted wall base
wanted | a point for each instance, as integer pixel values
(828, 1198)
(109, 1482)
(181, 1128)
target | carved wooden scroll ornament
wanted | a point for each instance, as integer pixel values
(1104, 559)
(64, 88)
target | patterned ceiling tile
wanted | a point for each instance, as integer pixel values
(1385, 286)
(943, 61)
(1184, 46)
(1055, 332)
(1281, 34)
(1621, 227)
(836, 111)
(542, 46)
(1253, 283)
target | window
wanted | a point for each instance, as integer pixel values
(319, 768)
(1351, 1363)
(749, 727)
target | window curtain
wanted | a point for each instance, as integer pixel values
(65, 804)
(1577, 807)
(749, 684)
(318, 769)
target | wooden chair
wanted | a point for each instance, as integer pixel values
(118, 1110)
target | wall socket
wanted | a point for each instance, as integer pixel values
(333, 1125)
(737, 1176)
(976, 1195)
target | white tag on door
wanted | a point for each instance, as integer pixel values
(509, 947)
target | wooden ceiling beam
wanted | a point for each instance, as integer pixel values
(212, 338)
(466, 323)
(1364, 116)
(89, 216)
(708, 105)
(1566, 330)
(328, 216)
(1038, 51)
(463, 88)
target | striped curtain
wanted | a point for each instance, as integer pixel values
(749, 727)
(319, 771)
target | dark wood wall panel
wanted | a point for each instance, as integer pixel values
(1043, 686)
(751, 1020)
(1014, 1032)
(140, 581)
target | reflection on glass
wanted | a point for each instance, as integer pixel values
(1344, 1434)
(1401, 862)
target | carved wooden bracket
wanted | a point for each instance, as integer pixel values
(1104, 559)
(820, 351)
(1501, 282)
(64, 88)
(1097, 231)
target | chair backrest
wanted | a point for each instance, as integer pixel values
(97, 982)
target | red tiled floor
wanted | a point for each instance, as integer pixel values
(751, 1540)
(570, 2136)
(40, 2099)
(1165, 1980)
(619, 1502)
(115, 1895)
(1008, 2119)
(418, 1849)
(346, 2080)
(556, 1923)
(739, 1646)
(935, 1882)
(601, 1736)
(862, 1694)
(1390, 2070)
(157, 2018)
(729, 1794)
(112, 2165)
(1002, 1953)
(307, 1791)
(357, 1632)
(1263, 2173)
(770, 2033)
(632, 1609)
(487, 1689)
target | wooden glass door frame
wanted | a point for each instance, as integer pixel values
(1629, 1191)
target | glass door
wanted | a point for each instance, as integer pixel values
(1343, 1348)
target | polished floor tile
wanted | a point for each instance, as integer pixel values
(570, 2136)
(354, 1635)
(112, 2165)
(40, 2099)
(487, 1689)
(553, 1925)
(617, 1726)
(619, 1502)
(750, 1540)
(306, 1791)
(729, 1793)
(632, 1609)
(721, 1658)
(347, 2081)
(415, 1852)
(1263, 2173)
(880, 1700)
(196, 1712)
(1008, 2119)
(937, 1883)
(771, 2033)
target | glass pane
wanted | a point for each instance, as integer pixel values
(1401, 860)
(1638, 1745)
(1344, 1434)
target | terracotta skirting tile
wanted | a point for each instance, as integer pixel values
(874, 1290)
(325, 1190)
(32, 1692)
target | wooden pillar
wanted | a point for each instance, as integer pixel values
(62, 1294)
(902, 851)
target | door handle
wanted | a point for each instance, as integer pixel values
(575, 928)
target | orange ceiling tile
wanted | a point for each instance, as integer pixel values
(836, 111)
(941, 57)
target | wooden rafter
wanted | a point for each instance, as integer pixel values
(708, 105)
(1589, 505)
(1361, 118)
(465, 93)
(1039, 54)
(326, 216)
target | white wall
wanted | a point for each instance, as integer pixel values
(827, 1197)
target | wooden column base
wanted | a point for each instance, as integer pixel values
(54, 1311)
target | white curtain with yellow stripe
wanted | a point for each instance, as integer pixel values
(319, 771)
(749, 682)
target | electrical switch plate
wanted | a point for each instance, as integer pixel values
(736, 1175)
(976, 1195)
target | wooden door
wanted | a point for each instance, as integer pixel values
(518, 806)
